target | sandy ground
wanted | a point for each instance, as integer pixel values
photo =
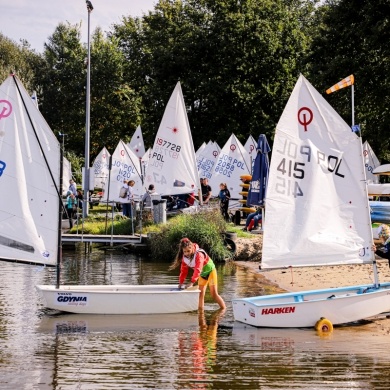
(308, 278)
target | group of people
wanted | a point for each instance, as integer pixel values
(223, 196)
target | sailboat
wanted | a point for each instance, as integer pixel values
(317, 215)
(30, 216)
(206, 159)
(136, 145)
(232, 162)
(172, 164)
(101, 169)
(125, 166)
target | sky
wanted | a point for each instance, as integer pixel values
(36, 20)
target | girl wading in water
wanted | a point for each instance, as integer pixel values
(190, 255)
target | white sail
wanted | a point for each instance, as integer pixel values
(251, 146)
(317, 206)
(66, 175)
(206, 159)
(370, 163)
(29, 178)
(136, 144)
(217, 146)
(125, 166)
(172, 164)
(201, 147)
(232, 162)
(145, 161)
(101, 169)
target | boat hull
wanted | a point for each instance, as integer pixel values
(120, 299)
(305, 308)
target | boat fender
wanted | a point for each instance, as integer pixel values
(324, 325)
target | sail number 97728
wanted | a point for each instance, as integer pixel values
(287, 185)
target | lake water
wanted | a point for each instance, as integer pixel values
(47, 350)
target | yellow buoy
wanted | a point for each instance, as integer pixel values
(243, 185)
(244, 193)
(247, 209)
(246, 177)
(323, 325)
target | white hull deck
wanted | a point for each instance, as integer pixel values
(120, 299)
(303, 309)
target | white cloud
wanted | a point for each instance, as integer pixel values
(36, 20)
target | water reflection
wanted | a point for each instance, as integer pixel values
(198, 351)
(50, 350)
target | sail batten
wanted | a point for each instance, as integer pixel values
(316, 202)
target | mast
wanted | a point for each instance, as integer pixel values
(60, 211)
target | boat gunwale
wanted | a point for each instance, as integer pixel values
(298, 297)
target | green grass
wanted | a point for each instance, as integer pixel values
(96, 224)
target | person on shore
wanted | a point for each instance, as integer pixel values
(79, 199)
(189, 256)
(146, 200)
(206, 190)
(70, 207)
(252, 220)
(127, 196)
(72, 187)
(224, 197)
(123, 195)
(384, 242)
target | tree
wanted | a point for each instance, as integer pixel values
(19, 58)
(353, 39)
(115, 105)
(237, 61)
(63, 81)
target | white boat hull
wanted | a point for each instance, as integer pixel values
(120, 299)
(303, 309)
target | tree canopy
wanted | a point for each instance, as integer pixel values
(237, 61)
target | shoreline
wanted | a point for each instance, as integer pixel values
(307, 278)
(315, 278)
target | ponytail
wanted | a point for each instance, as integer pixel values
(184, 242)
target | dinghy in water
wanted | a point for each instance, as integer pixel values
(30, 215)
(317, 215)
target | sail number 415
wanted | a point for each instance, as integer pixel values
(288, 186)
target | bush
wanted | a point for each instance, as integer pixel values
(204, 228)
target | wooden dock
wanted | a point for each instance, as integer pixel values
(102, 238)
(131, 243)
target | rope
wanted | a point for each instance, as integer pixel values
(292, 276)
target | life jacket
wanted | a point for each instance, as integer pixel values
(208, 265)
